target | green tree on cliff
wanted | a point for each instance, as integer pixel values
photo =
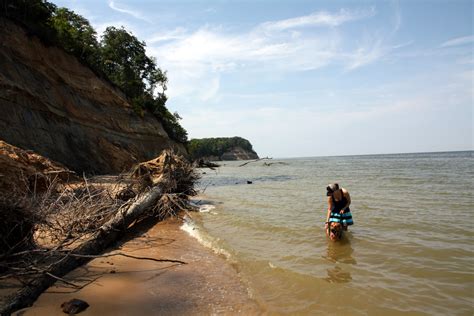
(125, 62)
(206, 147)
(35, 15)
(76, 35)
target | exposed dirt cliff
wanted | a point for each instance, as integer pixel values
(238, 153)
(52, 104)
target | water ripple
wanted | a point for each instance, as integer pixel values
(410, 250)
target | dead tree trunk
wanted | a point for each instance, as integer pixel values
(246, 163)
(104, 237)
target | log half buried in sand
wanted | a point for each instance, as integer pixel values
(108, 233)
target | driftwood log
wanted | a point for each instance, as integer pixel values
(206, 164)
(104, 237)
(246, 163)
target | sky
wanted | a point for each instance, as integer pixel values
(310, 78)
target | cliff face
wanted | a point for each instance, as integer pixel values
(238, 153)
(52, 104)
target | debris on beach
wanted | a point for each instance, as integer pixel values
(61, 227)
(74, 306)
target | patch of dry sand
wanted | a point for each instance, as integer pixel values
(206, 285)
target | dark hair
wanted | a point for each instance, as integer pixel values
(331, 188)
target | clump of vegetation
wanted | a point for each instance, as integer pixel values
(206, 147)
(119, 56)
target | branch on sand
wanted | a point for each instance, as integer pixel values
(162, 187)
(127, 256)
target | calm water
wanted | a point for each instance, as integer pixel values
(410, 251)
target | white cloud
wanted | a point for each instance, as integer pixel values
(375, 46)
(366, 54)
(397, 17)
(458, 41)
(288, 45)
(210, 10)
(208, 52)
(177, 33)
(321, 18)
(371, 49)
(100, 27)
(135, 14)
(192, 83)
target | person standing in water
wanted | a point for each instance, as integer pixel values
(338, 206)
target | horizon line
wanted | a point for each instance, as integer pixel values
(379, 154)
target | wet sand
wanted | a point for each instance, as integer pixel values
(118, 285)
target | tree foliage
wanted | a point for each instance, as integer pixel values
(119, 56)
(205, 147)
(35, 15)
(126, 63)
(76, 35)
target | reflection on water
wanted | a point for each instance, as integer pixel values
(340, 252)
(337, 275)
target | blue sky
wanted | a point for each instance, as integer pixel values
(311, 78)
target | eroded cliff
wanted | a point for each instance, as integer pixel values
(238, 153)
(51, 103)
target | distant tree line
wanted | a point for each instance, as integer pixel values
(118, 57)
(205, 147)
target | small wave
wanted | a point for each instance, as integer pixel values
(206, 208)
(203, 207)
(190, 227)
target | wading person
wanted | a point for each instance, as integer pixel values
(338, 208)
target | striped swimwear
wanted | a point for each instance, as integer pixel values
(346, 218)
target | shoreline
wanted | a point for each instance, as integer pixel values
(117, 285)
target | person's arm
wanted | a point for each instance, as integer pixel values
(329, 211)
(348, 198)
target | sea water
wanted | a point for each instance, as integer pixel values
(410, 251)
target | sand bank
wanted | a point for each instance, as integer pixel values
(207, 284)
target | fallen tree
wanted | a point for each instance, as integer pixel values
(246, 163)
(160, 188)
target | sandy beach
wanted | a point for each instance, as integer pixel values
(117, 285)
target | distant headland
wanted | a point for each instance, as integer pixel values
(221, 148)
